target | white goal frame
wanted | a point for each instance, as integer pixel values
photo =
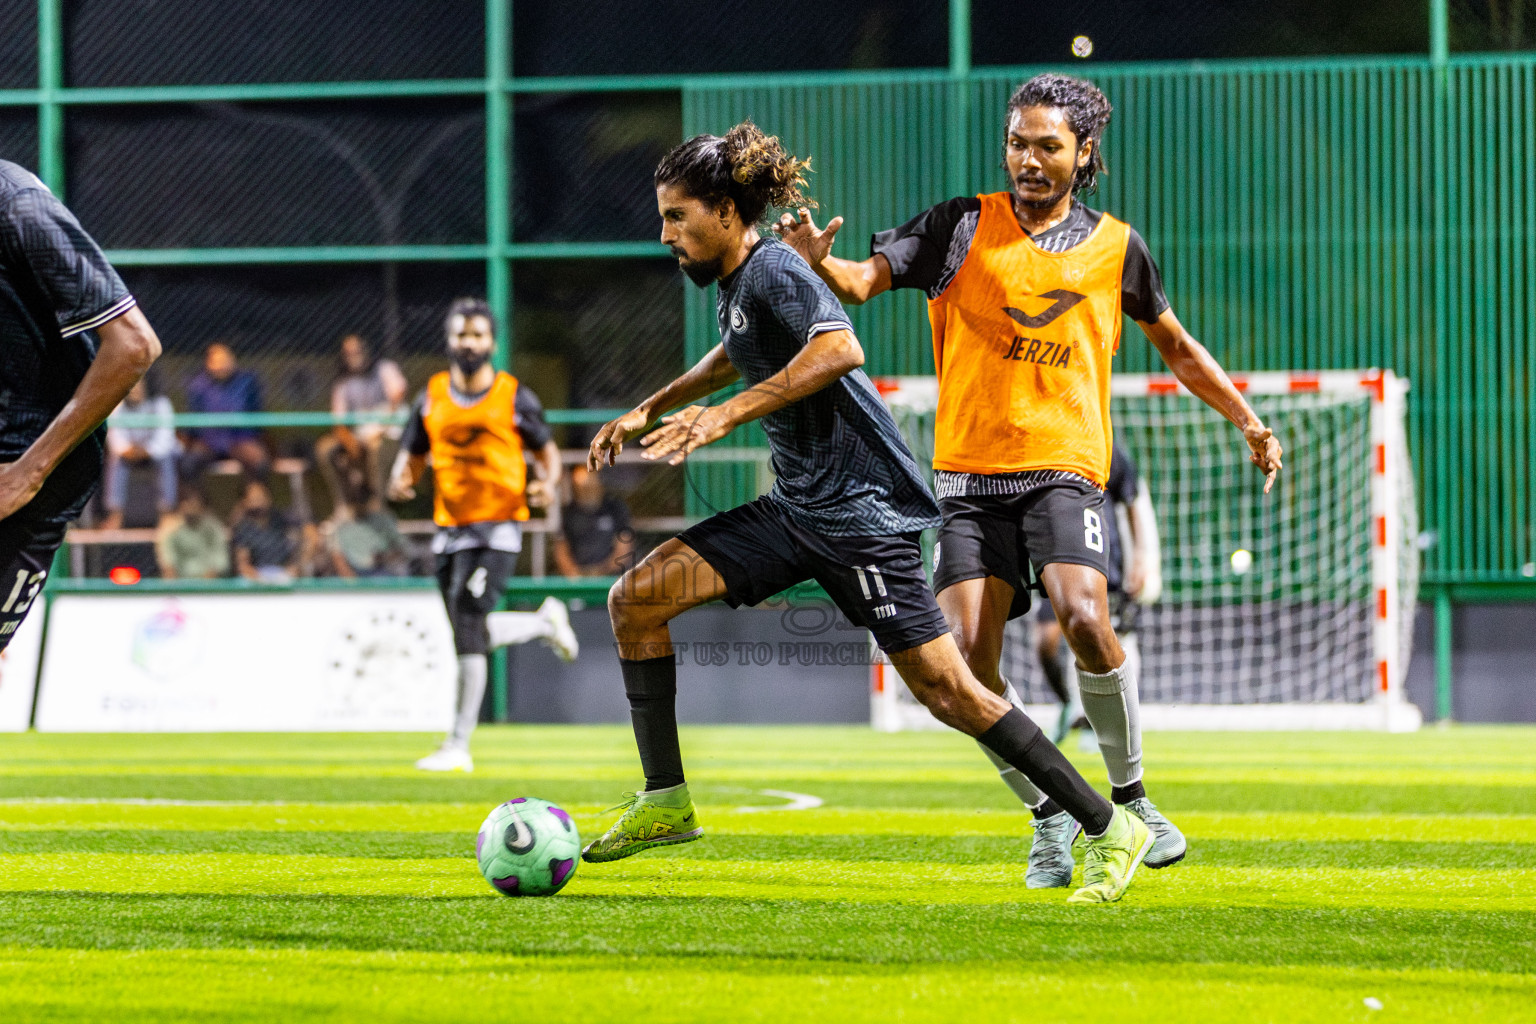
(1394, 589)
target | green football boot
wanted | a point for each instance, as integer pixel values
(1110, 861)
(1168, 845)
(1050, 852)
(659, 817)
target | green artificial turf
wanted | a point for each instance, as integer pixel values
(292, 878)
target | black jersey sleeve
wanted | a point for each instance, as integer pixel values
(789, 291)
(1141, 285)
(529, 412)
(926, 251)
(415, 439)
(1124, 481)
(38, 233)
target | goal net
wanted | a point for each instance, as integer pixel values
(1286, 611)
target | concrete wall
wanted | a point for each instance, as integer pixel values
(722, 681)
(1493, 663)
(719, 675)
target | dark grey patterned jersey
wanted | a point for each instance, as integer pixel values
(843, 468)
(55, 288)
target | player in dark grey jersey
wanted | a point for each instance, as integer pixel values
(58, 382)
(846, 510)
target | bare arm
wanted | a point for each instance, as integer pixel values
(1136, 574)
(128, 347)
(542, 490)
(1204, 377)
(405, 475)
(565, 564)
(824, 359)
(854, 283)
(707, 376)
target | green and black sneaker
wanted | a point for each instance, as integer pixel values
(661, 817)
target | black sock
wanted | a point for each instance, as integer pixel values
(1017, 740)
(1125, 794)
(1056, 676)
(1049, 809)
(651, 686)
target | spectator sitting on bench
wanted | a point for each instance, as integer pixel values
(595, 537)
(129, 448)
(191, 543)
(347, 453)
(222, 386)
(364, 538)
(267, 545)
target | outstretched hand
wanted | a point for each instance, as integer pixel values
(1264, 452)
(801, 233)
(609, 441)
(684, 431)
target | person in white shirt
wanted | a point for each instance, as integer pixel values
(130, 447)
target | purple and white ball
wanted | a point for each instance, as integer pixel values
(528, 847)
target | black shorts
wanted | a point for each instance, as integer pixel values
(472, 583)
(1014, 536)
(26, 554)
(876, 582)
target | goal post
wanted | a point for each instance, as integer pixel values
(1287, 611)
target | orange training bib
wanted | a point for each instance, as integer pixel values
(479, 474)
(1022, 343)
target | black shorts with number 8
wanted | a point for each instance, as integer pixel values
(1014, 536)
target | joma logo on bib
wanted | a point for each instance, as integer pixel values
(1065, 300)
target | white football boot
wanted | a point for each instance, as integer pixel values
(450, 757)
(562, 639)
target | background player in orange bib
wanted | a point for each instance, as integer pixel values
(1026, 293)
(477, 428)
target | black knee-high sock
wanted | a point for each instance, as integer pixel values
(1017, 740)
(1056, 675)
(651, 686)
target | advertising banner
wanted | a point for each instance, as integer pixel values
(378, 661)
(18, 671)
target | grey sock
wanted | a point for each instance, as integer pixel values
(473, 671)
(1011, 776)
(1114, 710)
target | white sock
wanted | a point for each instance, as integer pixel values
(473, 671)
(1114, 710)
(1011, 776)
(508, 628)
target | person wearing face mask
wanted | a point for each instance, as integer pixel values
(479, 428)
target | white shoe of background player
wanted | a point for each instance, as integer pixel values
(450, 757)
(562, 639)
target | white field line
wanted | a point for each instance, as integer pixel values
(797, 802)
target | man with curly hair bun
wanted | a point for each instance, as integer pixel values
(1026, 290)
(846, 510)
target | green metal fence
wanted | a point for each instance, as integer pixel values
(1307, 214)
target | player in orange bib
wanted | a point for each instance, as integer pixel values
(477, 428)
(1026, 293)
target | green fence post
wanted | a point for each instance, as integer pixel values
(1444, 709)
(1439, 31)
(498, 229)
(957, 137)
(50, 79)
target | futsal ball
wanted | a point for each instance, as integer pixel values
(528, 847)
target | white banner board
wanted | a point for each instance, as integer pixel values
(366, 661)
(18, 671)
